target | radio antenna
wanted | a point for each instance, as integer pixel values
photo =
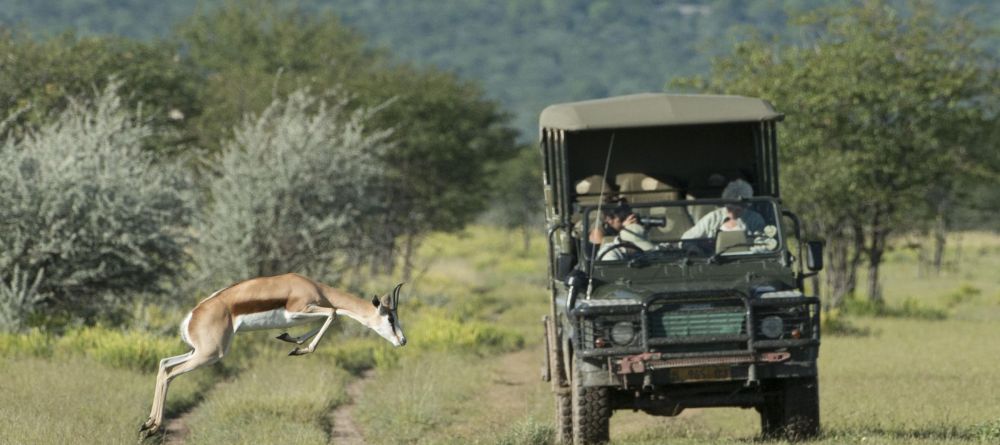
(597, 218)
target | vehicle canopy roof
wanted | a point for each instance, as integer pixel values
(655, 109)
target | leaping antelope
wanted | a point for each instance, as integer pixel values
(267, 303)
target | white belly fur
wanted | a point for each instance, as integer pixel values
(273, 319)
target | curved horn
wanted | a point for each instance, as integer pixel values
(395, 295)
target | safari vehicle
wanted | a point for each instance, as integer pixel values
(691, 323)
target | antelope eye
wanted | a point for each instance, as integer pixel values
(391, 320)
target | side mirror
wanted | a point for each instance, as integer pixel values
(564, 265)
(814, 255)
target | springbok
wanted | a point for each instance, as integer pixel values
(267, 303)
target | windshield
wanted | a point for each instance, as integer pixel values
(710, 229)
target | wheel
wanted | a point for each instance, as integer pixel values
(791, 409)
(591, 408)
(564, 419)
(564, 409)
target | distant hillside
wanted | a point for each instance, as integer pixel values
(526, 53)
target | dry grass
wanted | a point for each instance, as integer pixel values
(279, 400)
(76, 400)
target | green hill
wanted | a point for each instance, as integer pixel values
(526, 53)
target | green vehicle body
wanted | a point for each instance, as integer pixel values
(695, 309)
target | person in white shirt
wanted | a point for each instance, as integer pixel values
(731, 217)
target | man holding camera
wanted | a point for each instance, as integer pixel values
(629, 235)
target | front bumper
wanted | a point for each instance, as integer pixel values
(744, 357)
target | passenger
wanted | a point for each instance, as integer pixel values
(729, 218)
(622, 223)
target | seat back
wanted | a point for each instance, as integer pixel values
(588, 190)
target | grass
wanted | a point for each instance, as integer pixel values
(470, 373)
(78, 400)
(967, 287)
(279, 400)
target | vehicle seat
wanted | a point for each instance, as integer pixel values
(640, 188)
(726, 239)
(588, 191)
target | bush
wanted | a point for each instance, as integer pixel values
(833, 322)
(988, 432)
(290, 193)
(436, 331)
(33, 343)
(80, 199)
(964, 294)
(354, 356)
(528, 432)
(120, 349)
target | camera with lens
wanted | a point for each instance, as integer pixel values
(621, 210)
(652, 221)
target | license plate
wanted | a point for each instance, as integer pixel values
(700, 374)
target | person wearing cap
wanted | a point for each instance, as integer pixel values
(731, 217)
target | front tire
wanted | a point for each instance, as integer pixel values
(564, 419)
(591, 407)
(791, 409)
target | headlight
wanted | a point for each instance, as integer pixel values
(623, 332)
(772, 326)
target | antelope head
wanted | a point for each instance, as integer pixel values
(386, 321)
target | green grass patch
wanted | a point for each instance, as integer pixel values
(33, 343)
(75, 400)
(908, 308)
(279, 400)
(120, 349)
(129, 349)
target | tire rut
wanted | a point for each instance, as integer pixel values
(345, 430)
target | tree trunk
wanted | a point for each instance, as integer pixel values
(940, 232)
(409, 248)
(876, 250)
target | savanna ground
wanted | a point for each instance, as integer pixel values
(926, 373)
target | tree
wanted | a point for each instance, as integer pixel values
(289, 193)
(884, 110)
(88, 219)
(447, 136)
(38, 78)
(517, 198)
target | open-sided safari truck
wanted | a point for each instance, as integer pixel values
(698, 320)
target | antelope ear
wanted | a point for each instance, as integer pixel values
(375, 301)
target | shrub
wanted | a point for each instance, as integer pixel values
(80, 199)
(988, 432)
(833, 322)
(354, 356)
(436, 331)
(120, 349)
(528, 432)
(33, 343)
(964, 294)
(290, 192)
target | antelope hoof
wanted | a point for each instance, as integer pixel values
(148, 429)
(285, 337)
(298, 351)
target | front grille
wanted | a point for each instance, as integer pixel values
(697, 319)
